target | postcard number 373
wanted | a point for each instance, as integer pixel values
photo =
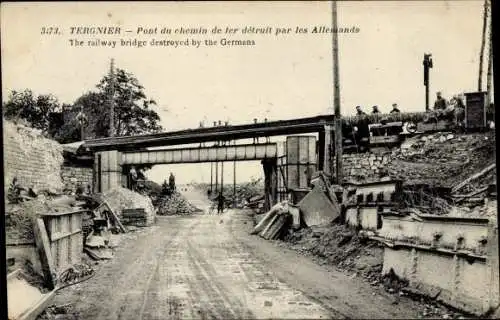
(50, 30)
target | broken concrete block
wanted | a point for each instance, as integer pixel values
(317, 209)
(95, 241)
(99, 254)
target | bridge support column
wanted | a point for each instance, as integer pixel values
(325, 150)
(270, 182)
(108, 170)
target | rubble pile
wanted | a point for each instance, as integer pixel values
(339, 245)
(247, 194)
(123, 198)
(442, 159)
(54, 312)
(175, 204)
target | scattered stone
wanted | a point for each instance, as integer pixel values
(268, 303)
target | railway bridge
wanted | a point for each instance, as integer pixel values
(286, 165)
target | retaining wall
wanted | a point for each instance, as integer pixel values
(365, 167)
(35, 160)
(74, 176)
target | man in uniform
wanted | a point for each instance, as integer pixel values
(440, 103)
(171, 181)
(133, 178)
(359, 112)
(395, 108)
(220, 203)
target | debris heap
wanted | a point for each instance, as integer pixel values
(175, 204)
(442, 159)
(339, 245)
(122, 198)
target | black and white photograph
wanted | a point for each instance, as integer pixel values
(249, 160)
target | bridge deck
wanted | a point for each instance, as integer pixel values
(235, 132)
(223, 133)
(202, 154)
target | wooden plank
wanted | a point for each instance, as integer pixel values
(61, 235)
(115, 217)
(55, 214)
(44, 251)
(470, 194)
(473, 177)
(38, 308)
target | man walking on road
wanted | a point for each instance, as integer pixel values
(220, 203)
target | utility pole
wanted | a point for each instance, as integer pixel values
(234, 182)
(489, 75)
(427, 65)
(336, 95)
(483, 42)
(112, 99)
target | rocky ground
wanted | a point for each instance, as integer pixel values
(206, 266)
(443, 159)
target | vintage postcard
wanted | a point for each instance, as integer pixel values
(249, 160)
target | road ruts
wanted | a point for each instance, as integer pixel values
(206, 275)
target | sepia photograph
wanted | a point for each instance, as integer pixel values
(249, 160)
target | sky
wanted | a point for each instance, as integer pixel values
(280, 77)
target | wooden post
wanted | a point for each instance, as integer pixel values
(211, 175)
(267, 185)
(222, 177)
(234, 184)
(336, 96)
(216, 177)
(43, 247)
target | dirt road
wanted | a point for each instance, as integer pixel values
(207, 266)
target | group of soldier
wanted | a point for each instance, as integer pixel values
(439, 105)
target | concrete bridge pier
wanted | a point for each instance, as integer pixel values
(107, 170)
(270, 167)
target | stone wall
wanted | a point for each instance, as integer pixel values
(74, 176)
(35, 160)
(365, 167)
